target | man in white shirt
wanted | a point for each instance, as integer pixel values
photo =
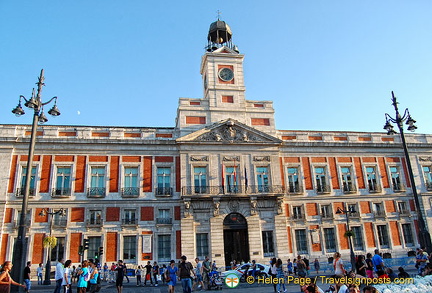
(59, 275)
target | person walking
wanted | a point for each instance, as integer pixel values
(27, 278)
(377, 261)
(205, 272)
(105, 272)
(185, 273)
(39, 273)
(138, 273)
(83, 277)
(59, 275)
(316, 266)
(93, 278)
(148, 276)
(369, 266)
(171, 276)
(198, 273)
(155, 270)
(280, 276)
(339, 268)
(289, 266)
(67, 277)
(5, 279)
(120, 269)
(273, 272)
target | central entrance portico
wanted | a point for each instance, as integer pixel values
(236, 241)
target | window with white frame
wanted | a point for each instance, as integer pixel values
(129, 217)
(371, 177)
(347, 180)
(407, 234)
(378, 209)
(301, 241)
(293, 180)
(95, 217)
(403, 208)
(329, 239)
(63, 181)
(202, 245)
(297, 212)
(164, 181)
(164, 216)
(358, 238)
(326, 211)
(130, 181)
(320, 180)
(60, 219)
(97, 181)
(129, 248)
(164, 248)
(267, 238)
(57, 252)
(200, 179)
(396, 179)
(94, 244)
(427, 171)
(21, 190)
(262, 179)
(383, 237)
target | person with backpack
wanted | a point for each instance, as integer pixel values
(83, 277)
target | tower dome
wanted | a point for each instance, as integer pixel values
(219, 35)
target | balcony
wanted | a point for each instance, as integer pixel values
(354, 215)
(373, 187)
(294, 189)
(322, 189)
(130, 192)
(398, 187)
(429, 186)
(297, 217)
(20, 192)
(63, 192)
(405, 213)
(233, 190)
(348, 187)
(94, 223)
(59, 223)
(164, 221)
(379, 214)
(327, 216)
(96, 192)
(164, 191)
(129, 222)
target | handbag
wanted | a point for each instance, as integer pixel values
(159, 277)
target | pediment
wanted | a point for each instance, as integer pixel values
(229, 131)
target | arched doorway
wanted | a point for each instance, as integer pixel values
(236, 240)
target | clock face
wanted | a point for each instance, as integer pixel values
(226, 74)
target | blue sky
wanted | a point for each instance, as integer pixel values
(327, 65)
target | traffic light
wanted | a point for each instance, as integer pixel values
(86, 244)
(81, 250)
(96, 257)
(100, 251)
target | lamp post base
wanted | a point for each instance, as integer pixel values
(47, 280)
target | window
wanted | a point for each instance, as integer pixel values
(131, 186)
(129, 217)
(164, 217)
(353, 210)
(358, 238)
(63, 182)
(407, 234)
(427, 170)
(60, 219)
(97, 181)
(402, 207)
(95, 217)
(164, 248)
(383, 236)
(129, 248)
(396, 179)
(164, 181)
(293, 180)
(231, 183)
(378, 209)
(372, 179)
(301, 241)
(57, 252)
(262, 179)
(347, 183)
(297, 212)
(94, 244)
(320, 180)
(267, 237)
(200, 179)
(326, 212)
(329, 238)
(23, 182)
(202, 245)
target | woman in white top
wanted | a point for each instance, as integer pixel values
(339, 269)
(67, 277)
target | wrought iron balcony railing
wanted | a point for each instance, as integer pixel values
(233, 190)
(298, 217)
(61, 223)
(294, 188)
(94, 223)
(354, 214)
(398, 187)
(323, 188)
(374, 187)
(379, 214)
(164, 221)
(429, 186)
(62, 192)
(405, 213)
(131, 222)
(20, 192)
(327, 216)
(348, 187)
(96, 192)
(164, 191)
(130, 191)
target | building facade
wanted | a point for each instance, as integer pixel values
(222, 182)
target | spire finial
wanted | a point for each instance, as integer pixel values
(218, 14)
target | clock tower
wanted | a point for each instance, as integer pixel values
(223, 88)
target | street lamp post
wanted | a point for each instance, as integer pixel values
(350, 210)
(424, 237)
(43, 213)
(19, 257)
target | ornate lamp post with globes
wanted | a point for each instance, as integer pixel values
(19, 257)
(424, 237)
